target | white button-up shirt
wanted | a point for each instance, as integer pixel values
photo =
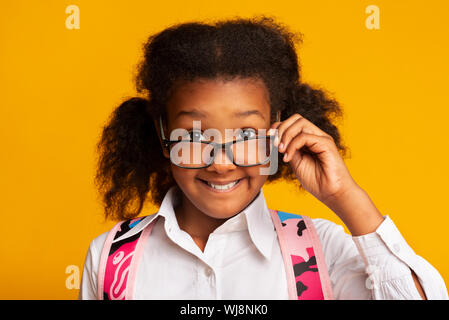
(242, 260)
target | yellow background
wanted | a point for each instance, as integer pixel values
(58, 87)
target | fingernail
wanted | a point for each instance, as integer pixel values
(285, 156)
(281, 146)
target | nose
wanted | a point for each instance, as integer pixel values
(221, 163)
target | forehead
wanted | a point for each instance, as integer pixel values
(217, 99)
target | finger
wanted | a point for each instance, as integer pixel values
(300, 125)
(296, 117)
(287, 123)
(316, 144)
(273, 128)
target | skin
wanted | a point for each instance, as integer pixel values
(311, 153)
(201, 211)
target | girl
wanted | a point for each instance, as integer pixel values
(213, 236)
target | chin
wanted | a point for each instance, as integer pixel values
(222, 210)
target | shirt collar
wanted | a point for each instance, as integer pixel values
(166, 210)
(255, 218)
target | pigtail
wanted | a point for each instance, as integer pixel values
(129, 155)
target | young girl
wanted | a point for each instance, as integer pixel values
(213, 236)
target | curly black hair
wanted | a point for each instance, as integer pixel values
(131, 162)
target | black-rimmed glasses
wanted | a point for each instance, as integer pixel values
(197, 154)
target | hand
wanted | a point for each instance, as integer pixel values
(314, 158)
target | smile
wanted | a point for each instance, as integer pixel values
(221, 187)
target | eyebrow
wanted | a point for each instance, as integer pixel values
(249, 113)
(193, 113)
(199, 114)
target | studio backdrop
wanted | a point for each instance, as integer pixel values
(65, 66)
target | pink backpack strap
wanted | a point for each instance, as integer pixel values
(119, 261)
(307, 274)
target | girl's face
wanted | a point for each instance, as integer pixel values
(236, 104)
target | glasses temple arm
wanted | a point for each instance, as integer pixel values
(162, 129)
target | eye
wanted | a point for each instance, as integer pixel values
(248, 133)
(196, 135)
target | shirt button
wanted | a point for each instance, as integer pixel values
(209, 272)
(371, 269)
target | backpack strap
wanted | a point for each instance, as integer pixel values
(306, 270)
(119, 261)
(304, 262)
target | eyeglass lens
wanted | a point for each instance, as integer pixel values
(196, 154)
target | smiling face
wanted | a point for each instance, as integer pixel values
(219, 105)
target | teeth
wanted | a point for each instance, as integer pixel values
(224, 186)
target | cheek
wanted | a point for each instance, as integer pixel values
(256, 180)
(182, 176)
(166, 153)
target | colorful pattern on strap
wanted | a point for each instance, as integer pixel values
(119, 261)
(304, 262)
(307, 279)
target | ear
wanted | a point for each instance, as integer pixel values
(158, 130)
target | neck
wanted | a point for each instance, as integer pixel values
(195, 222)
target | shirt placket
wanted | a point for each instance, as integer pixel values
(208, 272)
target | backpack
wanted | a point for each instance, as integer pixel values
(305, 267)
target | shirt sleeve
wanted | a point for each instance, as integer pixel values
(376, 265)
(88, 287)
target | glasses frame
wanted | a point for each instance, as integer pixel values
(217, 147)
